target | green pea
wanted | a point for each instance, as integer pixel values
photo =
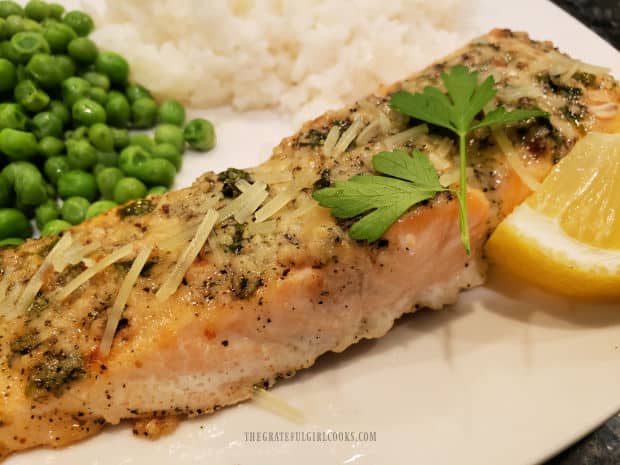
(56, 11)
(101, 137)
(107, 158)
(55, 167)
(12, 116)
(168, 152)
(30, 25)
(30, 188)
(14, 169)
(79, 21)
(14, 24)
(200, 134)
(98, 95)
(121, 137)
(157, 171)
(14, 223)
(131, 158)
(65, 65)
(44, 69)
(118, 110)
(88, 112)
(136, 91)
(6, 51)
(50, 146)
(46, 124)
(54, 227)
(60, 110)
(128, 189)
(143, 112)
(37, 10)
(113, 66)
(78, 133)
(99, 207)
(157, 190)
(143, 140)
(74, 89)
(18, 145)
(5, 192)
(46, 212)
(98, 80)
(8, 75)
(74, 209)
(81, 154)
(77, 183)
(11, 242)
(25, 44)
(8, 8)
(83, 50)
(170, 134)
(171, 112)
(28, 95)
(107, 179)
(58, 36)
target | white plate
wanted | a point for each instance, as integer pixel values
(508, 376)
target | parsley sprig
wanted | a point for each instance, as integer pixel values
(412, 179)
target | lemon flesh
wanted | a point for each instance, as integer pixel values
(566, 236)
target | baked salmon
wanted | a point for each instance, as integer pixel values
(180, 304)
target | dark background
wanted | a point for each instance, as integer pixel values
(603, 446)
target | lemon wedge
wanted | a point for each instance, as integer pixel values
(566, 236)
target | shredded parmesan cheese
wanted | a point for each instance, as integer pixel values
(243, 185)
(35, 283)
(405, 136)
(4, 285)
(246, 204)
(513, 159)
(219, 258)
(266, 227)
(273, 206)
(118, 306)
(277, 405)
(348, 137)
(74, 256)
(331, 140)
(188, 256)
(275, 177)
(63, 293)
(605, 110)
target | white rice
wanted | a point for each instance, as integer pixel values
(297, 56)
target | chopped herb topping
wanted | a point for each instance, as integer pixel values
(551, 84)
(237, 241)
(312, 138)
(137, 208)
(37, 306)
(25, 344)
(56, 372)
(324, 180)
(587, 79)
(229, 178)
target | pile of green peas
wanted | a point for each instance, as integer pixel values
(66, 153)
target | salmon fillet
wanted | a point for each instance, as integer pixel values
(263, 299)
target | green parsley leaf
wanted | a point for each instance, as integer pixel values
(457, 111)
(415, 168)
(382, 199)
